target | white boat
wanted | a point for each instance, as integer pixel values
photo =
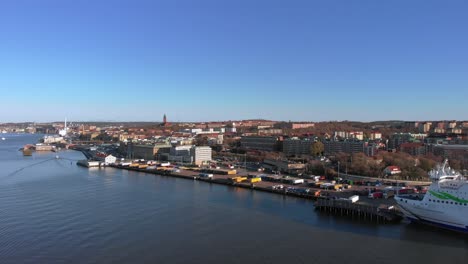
(445, 203)
(3, 138)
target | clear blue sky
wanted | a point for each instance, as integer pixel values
(220, 59)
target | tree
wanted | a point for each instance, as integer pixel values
(317, 148)
(316, 167)
(426, 164)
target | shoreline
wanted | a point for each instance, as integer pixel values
(334, 204)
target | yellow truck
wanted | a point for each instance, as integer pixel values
(238, 179)
(254, 180)
(338, 187)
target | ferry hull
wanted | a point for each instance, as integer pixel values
(421, 219)
(439, 225)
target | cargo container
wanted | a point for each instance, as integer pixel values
(223, 172)
(338, 187)
(317, 184)
(206, 175)
(143, 166)
(134, 165)
(354, 198)
(327, 186)
(238, 179)
(270, 178)
(293, 180)
(297, 181)
(254, 180)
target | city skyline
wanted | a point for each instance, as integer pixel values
(308, 61)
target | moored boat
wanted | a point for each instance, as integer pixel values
(445, 203)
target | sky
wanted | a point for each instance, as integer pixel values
(207, 60)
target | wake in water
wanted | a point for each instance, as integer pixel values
(35, 164)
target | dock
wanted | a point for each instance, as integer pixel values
(328, 204)
(372, 213)
(88, 163)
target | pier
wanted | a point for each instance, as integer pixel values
(358, 211)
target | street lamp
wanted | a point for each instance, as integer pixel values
(338, 169)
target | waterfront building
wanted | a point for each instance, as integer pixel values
(197, 155)
(200, 154)
(148, 152)
(110, 159)
(180, 154)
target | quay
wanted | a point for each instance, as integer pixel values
(222, 181)
(329, 204)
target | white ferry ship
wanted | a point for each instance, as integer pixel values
(445, 203)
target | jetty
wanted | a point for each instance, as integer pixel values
(379, 214)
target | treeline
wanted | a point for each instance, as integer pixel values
(322, 128)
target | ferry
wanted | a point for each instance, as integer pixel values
(444, 205)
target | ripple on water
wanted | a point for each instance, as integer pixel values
(56, 212)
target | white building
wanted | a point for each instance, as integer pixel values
(200, 155)
(231, 130)
(376, 135)
(356, 134)
(392, 170)
(110, 159)
(52, 139)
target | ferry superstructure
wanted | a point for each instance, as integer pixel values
(445, 203)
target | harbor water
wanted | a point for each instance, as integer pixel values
(52, 211)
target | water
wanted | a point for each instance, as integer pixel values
(52, 211)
